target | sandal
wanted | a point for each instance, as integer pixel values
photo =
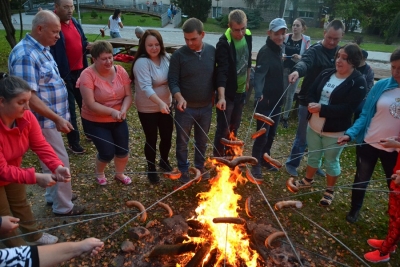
(101, 180)
(76, 210)
(326, 199)
(126, 180)
(303, 183)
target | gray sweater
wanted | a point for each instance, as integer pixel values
(193, 75)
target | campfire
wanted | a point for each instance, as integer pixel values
(217, 235)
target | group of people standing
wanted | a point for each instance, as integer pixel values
(49, 71)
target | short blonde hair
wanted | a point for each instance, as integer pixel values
(238, 16)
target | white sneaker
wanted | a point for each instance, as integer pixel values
(46, 239)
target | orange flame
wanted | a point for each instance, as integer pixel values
(231, 240)
(237, 150)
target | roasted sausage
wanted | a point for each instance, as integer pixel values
(288, 203)
(272, 237)
(258, 133)
(263, 118)
(272, 161)
(234, 220)
(231, 143)
(291, 186)
(247, 207)
(251, 178)
(137, 204)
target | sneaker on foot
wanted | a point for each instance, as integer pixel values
(376, 256)
(291, 170)
(377, 243)
(46, 239)
(73, 198)
(352, 216)
(184, 178)
(303, 183)
(76, 149)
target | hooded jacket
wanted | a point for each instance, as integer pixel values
(343, 100)
(225, 57)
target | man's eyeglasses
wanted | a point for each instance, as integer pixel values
(67, 8)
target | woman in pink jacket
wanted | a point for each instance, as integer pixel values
(20, 131)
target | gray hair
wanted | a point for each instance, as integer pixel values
(139, 30)
(12, 86)
(44, 17)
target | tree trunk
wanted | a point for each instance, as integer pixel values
(5, 16)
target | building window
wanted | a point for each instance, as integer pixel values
(216, 12)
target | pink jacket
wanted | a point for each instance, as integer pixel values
(13, 145)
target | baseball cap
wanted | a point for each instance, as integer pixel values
(277, 24)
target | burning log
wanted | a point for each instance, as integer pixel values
(212, 259)
(137, 204)
(171, 250)
(251, 178)
(167, 208)
(272, 237)
(247, 207)
(173, 175)
(199, 256)
(233, 220)
(288, 203)
(195, 233)
(231, 143)
(236, 161)
(194, 224)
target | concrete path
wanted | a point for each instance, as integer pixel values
(173, 35)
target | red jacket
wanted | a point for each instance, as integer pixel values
(13, 145)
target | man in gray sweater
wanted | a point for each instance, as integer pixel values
(191, 81)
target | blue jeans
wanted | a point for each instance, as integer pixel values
(300, 141)
(115, 35)
(288, 99)
(367, 157)
(110, 138)
(232, 115)
(200, 119)
(263, 143)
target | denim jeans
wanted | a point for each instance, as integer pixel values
(367, 157)
(110, 138)
(200, 119)
(115, 35)
(263, 143)
(232, 115)
(300, 141)
(288, 100)
(74, 94)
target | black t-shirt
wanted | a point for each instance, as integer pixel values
(291, 47)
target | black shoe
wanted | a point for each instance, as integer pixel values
(164, 164)
(352, 216)
(73, 198)
(152, 174)
(76, 210)
(268, 166)
(76, 149)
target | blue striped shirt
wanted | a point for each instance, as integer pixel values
(33, 62)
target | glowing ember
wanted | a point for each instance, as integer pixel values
(221, 201)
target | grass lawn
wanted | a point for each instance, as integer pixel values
(112, 198)
(128, 19)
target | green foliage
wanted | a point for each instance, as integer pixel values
(196, 8)
(393, 31)
(93, 14)
(223, 21)
(254, 18)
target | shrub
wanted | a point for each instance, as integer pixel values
(93, 14)
(142, 20)
(393, 30)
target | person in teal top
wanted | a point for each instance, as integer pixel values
(233, 63)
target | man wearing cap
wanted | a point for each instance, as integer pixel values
(268, 87)
(233, 58)
(317, 58)
(368, 74)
